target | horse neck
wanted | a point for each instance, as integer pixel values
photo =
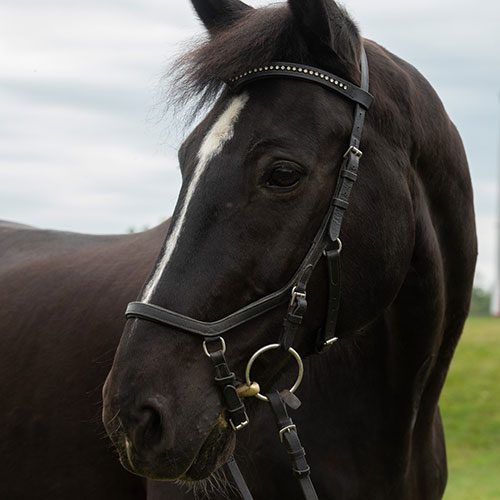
(376, 379)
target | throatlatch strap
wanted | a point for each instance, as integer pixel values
(340, 203)
(238, 479)
(327, 334)
(290, 439)
(350, 165)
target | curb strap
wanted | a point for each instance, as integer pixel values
(290, 439)
(225, 380)
(239, 481)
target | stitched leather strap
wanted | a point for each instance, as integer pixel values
(327, 334)
(225, 379)
(239, 481)
(157, 314)
(345, 184)
(359, 95)
(290, 439)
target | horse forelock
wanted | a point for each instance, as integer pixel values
(261, 36)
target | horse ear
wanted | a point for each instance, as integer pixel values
(328, 31)
(323, 23)
(313, 18)
(217, 14)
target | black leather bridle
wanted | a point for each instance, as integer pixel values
(326, 243)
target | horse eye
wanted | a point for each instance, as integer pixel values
(285, 176)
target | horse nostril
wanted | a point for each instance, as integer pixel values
(153, 424)
(148, 432)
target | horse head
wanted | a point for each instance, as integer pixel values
(259, 175)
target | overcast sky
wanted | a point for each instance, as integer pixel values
(81, 144)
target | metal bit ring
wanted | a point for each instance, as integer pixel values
(271, 347)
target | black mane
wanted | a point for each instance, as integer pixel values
(260, 37)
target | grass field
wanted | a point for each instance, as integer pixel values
(471, 410)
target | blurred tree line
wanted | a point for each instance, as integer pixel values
(133, 229)
(481, 300)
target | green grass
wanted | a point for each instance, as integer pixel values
(471, 411)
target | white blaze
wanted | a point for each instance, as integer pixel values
(221, 133)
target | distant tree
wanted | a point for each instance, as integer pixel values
(133, 229)
(481, 300)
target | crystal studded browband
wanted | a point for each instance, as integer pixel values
(299, 71)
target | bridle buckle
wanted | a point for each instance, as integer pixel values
(238, 427)
(296, 295)
(355, 151)
(288, 428)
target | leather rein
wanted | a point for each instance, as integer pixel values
(326, 244)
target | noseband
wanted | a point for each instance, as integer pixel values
(326, 244)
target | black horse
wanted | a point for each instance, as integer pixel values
(258, 177)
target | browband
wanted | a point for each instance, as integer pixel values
(300, 72)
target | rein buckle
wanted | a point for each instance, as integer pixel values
(288, 428)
